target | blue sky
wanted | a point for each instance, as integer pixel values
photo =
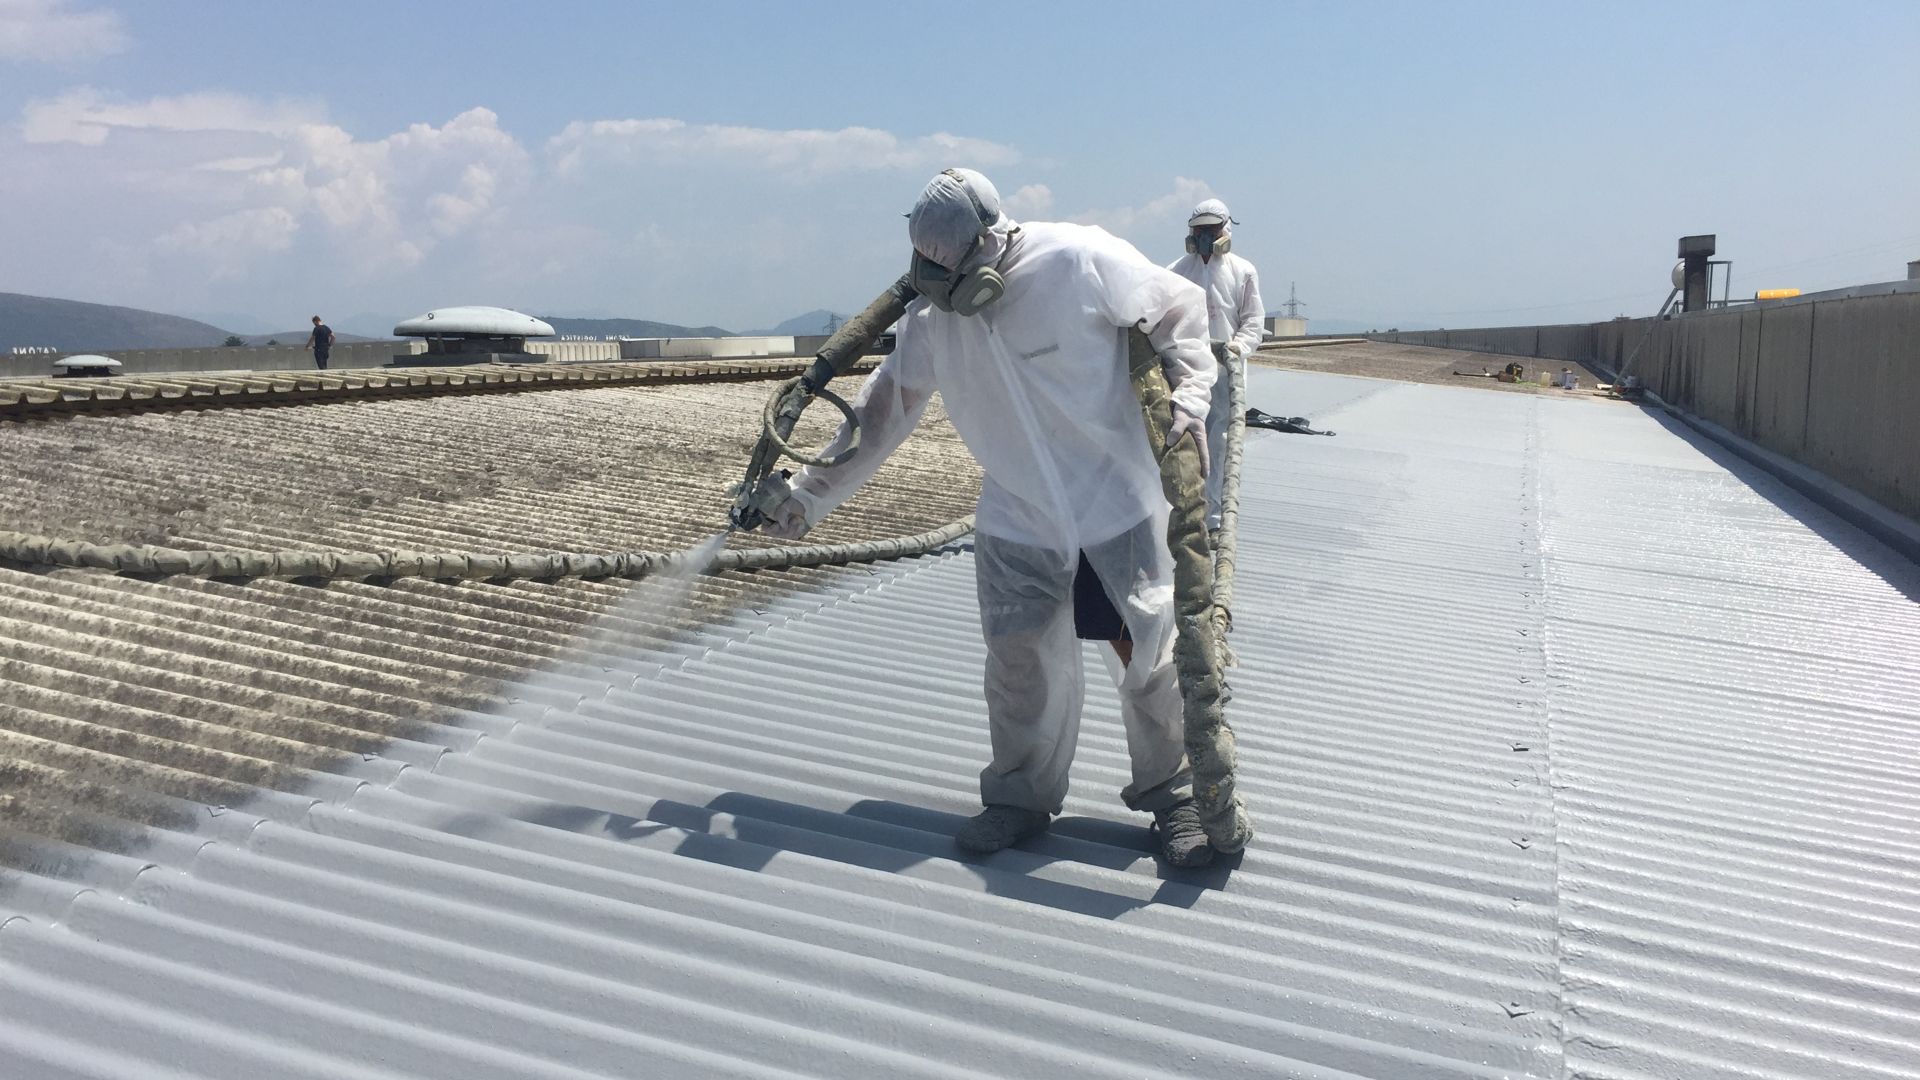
(735, 164)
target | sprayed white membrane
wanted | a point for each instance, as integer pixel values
(662, 599)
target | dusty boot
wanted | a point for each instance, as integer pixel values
(1000, 826)
(1178, 836)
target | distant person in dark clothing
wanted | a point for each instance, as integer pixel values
(321, 342)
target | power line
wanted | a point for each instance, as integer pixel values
(1745, 272)
(1883, 246)
(1537, 307)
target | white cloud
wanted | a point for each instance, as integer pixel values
(54, 31)
(253, 164)
(396, 197)
(1168, 210)
(1033, 201)
(227, 244)
(811, 152)
(378, 205)
(454, 210)
(240, 201)
(88, 116)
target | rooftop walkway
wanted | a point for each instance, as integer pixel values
(1576, 747)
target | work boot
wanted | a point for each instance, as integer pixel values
(1000, 826)
(1178, 835)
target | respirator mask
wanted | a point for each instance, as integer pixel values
(961, 292)
(1209, 240)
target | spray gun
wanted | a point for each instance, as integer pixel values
(767, 485)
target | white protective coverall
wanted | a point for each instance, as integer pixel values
(1036, 384)
(1236, 319)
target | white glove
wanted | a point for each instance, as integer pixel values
(1235, 350)
(1185, 423)
(788, 521)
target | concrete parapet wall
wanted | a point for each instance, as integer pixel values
(656, 348)
(576, 352)
(1833, 384)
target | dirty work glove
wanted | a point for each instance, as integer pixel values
(1235, 350)
(788, 521)
(1185, 423)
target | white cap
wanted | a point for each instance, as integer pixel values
(1211, 212)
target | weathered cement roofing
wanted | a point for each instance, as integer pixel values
(199, 688)
(1576, 750)
(1414, 363)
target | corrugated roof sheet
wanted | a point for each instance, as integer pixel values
(1576, 750)
(205, 689)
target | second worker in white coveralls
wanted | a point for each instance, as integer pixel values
(1022, 330)
(1235, 321)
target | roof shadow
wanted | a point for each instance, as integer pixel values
(1883, 561)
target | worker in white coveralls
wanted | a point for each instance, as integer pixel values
(1021, 328)
(1234, 321)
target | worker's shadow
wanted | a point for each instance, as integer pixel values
(1083, 865)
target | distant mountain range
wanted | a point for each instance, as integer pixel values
(299, 337)
(813, 322)
(73, 326)
(76, 326)
(605, 328)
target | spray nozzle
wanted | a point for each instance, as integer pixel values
(754, 503)
(766, 486)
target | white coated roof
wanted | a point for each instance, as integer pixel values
(487, 321)
(87, 360)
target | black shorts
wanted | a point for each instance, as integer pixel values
(1094, 616)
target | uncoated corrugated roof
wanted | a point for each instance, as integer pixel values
(1573, 752)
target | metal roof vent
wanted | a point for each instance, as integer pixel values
(85, 365)
(472, 335)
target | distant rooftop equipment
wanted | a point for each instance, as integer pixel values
(1913, 270)
(472, 335)
(1695, 284)
(85, 365)
(1776, 294)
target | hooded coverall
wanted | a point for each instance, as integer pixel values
(1036, 384)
